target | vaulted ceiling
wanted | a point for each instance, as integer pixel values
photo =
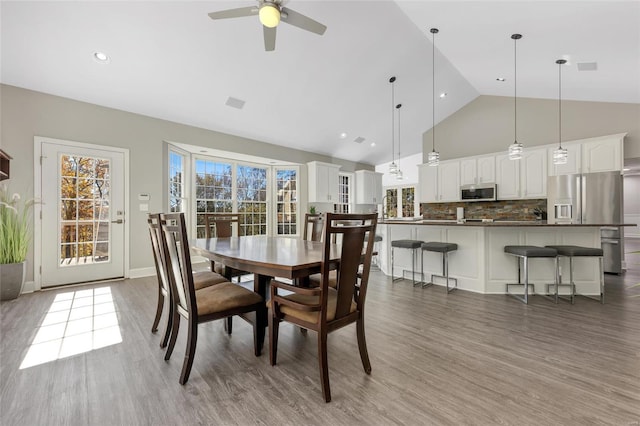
(169, 60)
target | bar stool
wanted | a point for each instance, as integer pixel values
(376, 240)
(412, 245)
(443, 248)
(578, 251)
(524, 253)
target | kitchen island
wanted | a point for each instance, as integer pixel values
(480, 264)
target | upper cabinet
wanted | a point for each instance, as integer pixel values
(323, 182)
(476, 170)
(602, 154)
(533, 173)
(524, 178)
(4, 165)
(368, 187)
(574, 160)
(439, 184)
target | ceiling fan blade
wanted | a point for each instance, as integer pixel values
(234, 13)
(299, 20)
(269, 38)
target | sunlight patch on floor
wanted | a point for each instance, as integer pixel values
(77, 322)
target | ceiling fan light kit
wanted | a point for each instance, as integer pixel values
(560, 154)
(269, 15)
(433, 158)
(516, 148)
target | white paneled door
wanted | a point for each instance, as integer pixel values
(82, 226)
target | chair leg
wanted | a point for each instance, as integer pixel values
(602, 280)
(324, 365)
(190, 353)
(274, 326)
(259, 326)
(228, 325)
(167, 330)
(175, 325)
(156, 321)
(362, 345)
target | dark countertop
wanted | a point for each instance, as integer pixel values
(498, 223)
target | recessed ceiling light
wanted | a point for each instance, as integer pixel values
(343, 135)
(500, 79)
(373, 144)
(626, 170)
(101, 57)
(443, 94)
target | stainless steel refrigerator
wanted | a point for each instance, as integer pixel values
(590, 198)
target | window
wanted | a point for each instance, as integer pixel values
(403, 205)
(213, 186)
(344, 194)
(252, 199)
(177, 191)
(287, 201)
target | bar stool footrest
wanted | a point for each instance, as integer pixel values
(449, 289)
(519, 297)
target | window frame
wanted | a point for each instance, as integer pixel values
(399, 188)
(350, 195)
(274, 197)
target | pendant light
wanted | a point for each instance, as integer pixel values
(433, 158)
(515, 149)
(393, 167)
(560, 154)
(399, 175)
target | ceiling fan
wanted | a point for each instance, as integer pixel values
(271, 12)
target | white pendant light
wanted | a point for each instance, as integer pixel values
(393, 167)
(516, 148)
(560, 154)
(399, 175)
(433, 158)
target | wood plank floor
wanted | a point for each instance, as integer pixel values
(444, 359)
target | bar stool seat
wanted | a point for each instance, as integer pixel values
(443, 248)
(412, 245)
(578, 251)
(525, 252)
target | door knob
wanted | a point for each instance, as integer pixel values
(118, 221)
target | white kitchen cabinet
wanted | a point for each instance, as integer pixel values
(323, 182)
(439, 184)
(533, 173)
(428, 176)
(602, 154)
(476, 170)
(507, 177)
(574, 160)
(368, 187)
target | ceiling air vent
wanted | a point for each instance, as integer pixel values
(234, 102)
(359, 139)
(587, 66)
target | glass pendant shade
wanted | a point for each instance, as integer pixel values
(399, 175)
(515, 151)
(393, 168)
(433, 158)
(560, 155)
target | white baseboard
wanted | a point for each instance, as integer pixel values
(29, 287)
(142, 272)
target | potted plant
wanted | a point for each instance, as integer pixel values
(15, 237)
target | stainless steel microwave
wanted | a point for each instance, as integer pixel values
(481, 192)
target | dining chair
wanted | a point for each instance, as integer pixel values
(325, 309)
(221, 225)
(312, 227)
(198, 306)
(200, 279)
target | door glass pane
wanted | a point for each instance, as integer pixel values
(286, 182)
(83, 224)
(213, 191)
(252, 199)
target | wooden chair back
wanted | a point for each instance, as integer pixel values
(356, 237)
(313, 225)
(178, 258)
(221, 224)
(155, 232)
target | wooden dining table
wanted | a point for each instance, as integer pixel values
(266, 258)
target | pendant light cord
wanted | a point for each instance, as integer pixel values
(433, 90)
(393, 130)
(560, 104)
(515, 91)
(398, 108)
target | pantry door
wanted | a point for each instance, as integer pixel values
(83, 218)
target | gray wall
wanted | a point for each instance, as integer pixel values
(485, 125)
(25, 114)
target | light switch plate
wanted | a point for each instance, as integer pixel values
(144, 207)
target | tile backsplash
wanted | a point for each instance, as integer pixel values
(506, 210)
